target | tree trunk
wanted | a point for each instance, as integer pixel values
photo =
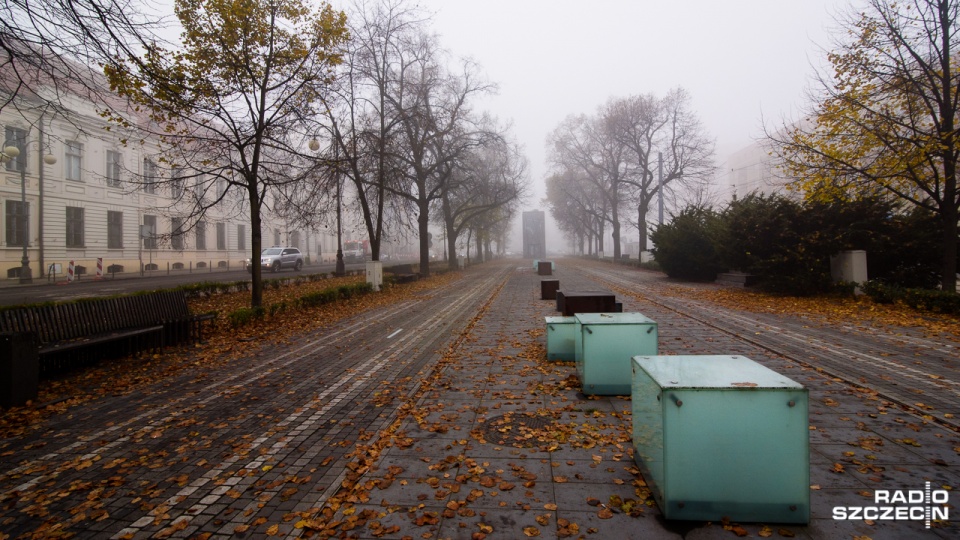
(479, 245)
(642, 226)
(616, 235)
(600, 239)
(423, 222)
(451, 246)
(256, 243)
(948, 279)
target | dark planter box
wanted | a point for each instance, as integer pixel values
(588, 302)
(545, 268)
(19, 368)
(549, 288)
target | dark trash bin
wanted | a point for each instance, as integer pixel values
(19, 368)
(549, 288)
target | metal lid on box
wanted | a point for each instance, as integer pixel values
(711, 371)
(613, 318)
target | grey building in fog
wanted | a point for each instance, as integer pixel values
(534, 235)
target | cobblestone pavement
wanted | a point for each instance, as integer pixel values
(439, 418)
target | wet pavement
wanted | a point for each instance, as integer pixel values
(439, 417)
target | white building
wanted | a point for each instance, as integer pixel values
(751, 169)
(89, 196)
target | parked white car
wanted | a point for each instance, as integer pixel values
(277, 258)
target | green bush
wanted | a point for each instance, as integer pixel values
(920, 299)
(772, 238)
(244, 316)
(326, 296)
(685, 247)
(318, 298)
(277, 307)
(651, 265)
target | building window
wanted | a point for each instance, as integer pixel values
(276, 237)
(201, 231)
(149, 176)
(74, 227)
(150, 234)
(114, 230)
(241, 238)
(199, 187)
(72, 168)
(221, 188)
(114, 162)
(176, 233)
(16, 137)
(221, 236)
(16, 223)
(177, 181)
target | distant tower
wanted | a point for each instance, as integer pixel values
(534, 235)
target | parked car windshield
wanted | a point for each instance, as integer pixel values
(271, 251)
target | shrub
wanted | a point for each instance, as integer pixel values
(318, 298)
(920, 299)
(685, 247)
(276, 308)
(244, 316)
(772, 238)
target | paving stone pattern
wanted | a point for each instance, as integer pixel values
(498, 442)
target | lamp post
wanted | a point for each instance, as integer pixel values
(339, 269)
(11, 152)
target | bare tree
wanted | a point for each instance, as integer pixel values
(360, 119)
(577, 208)
(630, 151)
(232, 105)
(437, 129)
(483, 189)
(52, 49)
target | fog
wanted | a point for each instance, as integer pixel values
(743, 62)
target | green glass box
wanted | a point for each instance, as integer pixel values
(561, 337)
(605, 343)
(721, 436)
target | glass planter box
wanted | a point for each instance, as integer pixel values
(605, 343)
(721, 436)
(561, 337)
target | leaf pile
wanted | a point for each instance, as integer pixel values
(222, 344)
(831, 310)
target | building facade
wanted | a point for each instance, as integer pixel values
(80, 192)
(534, 235)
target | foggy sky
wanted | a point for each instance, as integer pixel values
(743, 62)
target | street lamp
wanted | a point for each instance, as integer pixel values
(11, 152)
(340, 269)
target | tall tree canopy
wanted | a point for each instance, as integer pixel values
(886, 118)
(629, 152)
(237, 101)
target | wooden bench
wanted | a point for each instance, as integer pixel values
(76, 334)
(403, 273)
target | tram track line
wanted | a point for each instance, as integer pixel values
(615, 279)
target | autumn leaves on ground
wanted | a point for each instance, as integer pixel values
(222, 343)
(225, 343)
